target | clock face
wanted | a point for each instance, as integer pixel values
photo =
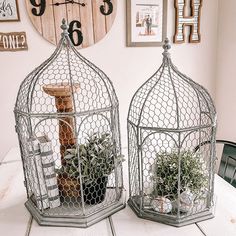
(89, 20)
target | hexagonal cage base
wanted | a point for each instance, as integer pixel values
(207, 214)
(73, 221)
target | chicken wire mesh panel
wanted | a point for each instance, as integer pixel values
(171, 173)
(133, 162)
(67, 120)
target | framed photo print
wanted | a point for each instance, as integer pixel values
(9, 10)
(146, 22)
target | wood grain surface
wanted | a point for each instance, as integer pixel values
(94, 27)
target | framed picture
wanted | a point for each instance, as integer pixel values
(9, 10)
(146, 22)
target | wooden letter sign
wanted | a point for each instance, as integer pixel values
(193, 21)
(13, 41)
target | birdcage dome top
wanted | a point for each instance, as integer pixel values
(171, 100)
(65, 73)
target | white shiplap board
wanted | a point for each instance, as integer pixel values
(224, 223)
(12, 156)
(100, 229)
(126, 223)
(14, 217)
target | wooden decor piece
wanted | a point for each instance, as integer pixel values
(89, 20)
(193, 21)
(64, 103)
(9, 10)
(13, 41)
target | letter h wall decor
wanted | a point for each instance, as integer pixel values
(182, 20)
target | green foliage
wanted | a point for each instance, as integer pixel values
(193, 173)
(96, 158)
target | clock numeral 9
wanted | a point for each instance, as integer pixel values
(40, 4)
(72, 32)
(109, 10)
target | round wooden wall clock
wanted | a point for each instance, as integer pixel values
(89, 20)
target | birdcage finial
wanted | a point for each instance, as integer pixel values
(64, 27)
(166, 46)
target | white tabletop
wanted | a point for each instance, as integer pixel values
(16, 221)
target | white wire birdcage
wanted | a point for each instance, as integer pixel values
(67, 120)
(171, 173)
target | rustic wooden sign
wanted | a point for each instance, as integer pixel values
(13, 41)
(182, 20)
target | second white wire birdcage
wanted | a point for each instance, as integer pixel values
(171, 174)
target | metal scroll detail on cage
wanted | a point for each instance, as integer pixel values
(169, 116)
(67, 120)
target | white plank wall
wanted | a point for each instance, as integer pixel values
(100, 229)
(14, 217)
(12, 156)
(224, 223)
(126, 223)
(16, 221)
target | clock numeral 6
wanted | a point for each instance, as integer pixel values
(72, 32)
(109, 10)
(40, 4)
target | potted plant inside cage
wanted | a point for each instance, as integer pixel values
(97, 161)
(166, 173)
